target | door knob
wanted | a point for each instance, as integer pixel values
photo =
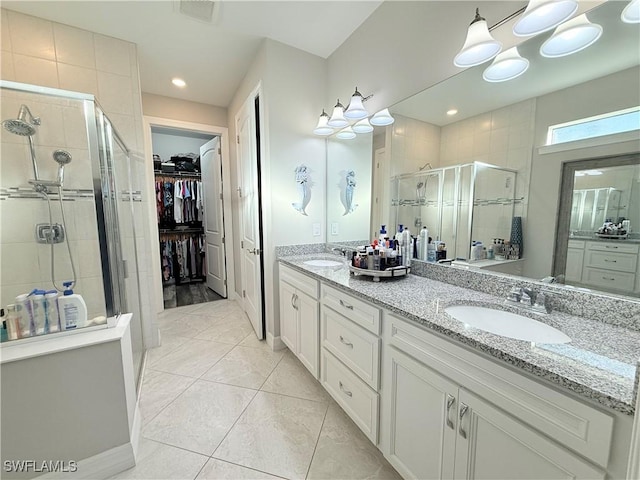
(255, 251)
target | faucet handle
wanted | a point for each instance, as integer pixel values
(515, 294)
(542, 302)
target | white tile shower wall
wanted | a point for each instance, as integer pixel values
(51, 54)
(503, 137)
(413, 145)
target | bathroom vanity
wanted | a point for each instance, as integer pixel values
(441, 399)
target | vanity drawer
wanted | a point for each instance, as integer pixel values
(614, 247)
(576, 243)
(356, 347)
(300, 281)
(355, 310)
(622, 281)
(620, 262)
(352, 394)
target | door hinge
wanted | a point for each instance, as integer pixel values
(238, 139)
(241, 244)
(244, 293)
(220, 196)
(219, 151)
(223, 240)
(224, 283)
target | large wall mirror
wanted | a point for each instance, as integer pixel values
(466, 176)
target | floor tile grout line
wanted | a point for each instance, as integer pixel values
(180, 448)
(315, 447)
(165, 407)
(244, 466)
(234, 424)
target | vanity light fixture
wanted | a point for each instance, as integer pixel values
(355, 110)
(631, 13)
(506, 66)
(363, 126)
(452, 112)
(479, 45)
(382, 118)
(322, 128)
(571, 37)
(178, 82)
(346, 134)
(337, 119)
(543, 15)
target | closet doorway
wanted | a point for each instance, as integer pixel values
(192, 255)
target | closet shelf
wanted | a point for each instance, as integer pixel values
(181, 230)
(159, 173)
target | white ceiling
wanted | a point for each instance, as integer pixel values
(212, 58)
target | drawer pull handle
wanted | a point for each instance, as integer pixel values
(611, 279)
(294, 297)
(608, 246)
(346, 305)
(346, 392)
(463, 411)
(450, 401)
(610, 261)
(348, 344)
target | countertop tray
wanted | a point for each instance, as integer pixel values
(378, 274)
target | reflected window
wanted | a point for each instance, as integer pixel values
(607, 124)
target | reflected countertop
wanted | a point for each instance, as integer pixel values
(592, 238)
(600, 362)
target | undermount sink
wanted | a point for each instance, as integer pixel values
(322, 263)
(507, 324)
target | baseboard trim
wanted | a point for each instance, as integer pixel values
(275, 343)
(108, 463)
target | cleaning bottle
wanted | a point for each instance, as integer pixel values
(383, 235)
(72, 309)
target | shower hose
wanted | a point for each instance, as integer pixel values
(50, 240)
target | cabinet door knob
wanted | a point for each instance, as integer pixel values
(463, 411)
(346, 392)
(450, 401)
(346, 305)
(348, 344)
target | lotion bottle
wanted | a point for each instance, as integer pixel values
(72, 309)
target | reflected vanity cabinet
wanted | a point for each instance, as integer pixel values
(299, 325)
(610, 266)
(448, 413)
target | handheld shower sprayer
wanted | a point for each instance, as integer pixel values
(62, 157)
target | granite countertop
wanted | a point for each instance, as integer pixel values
(599, 363)
(593, 238)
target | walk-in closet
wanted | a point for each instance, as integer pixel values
(188, 184)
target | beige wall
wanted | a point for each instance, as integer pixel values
(183, 110)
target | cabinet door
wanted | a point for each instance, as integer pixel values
(308, 333)
(493, 445)
(288, 316)
(573, 271)
(422, 418)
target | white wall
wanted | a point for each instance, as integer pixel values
(293, 85)
(177, 109)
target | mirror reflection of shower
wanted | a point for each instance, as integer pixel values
(25, 126)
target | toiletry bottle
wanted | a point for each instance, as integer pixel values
(72, 309)
(383, 234)
(39, 311)
(52, 315)
(406, 246)
(398, 235)
(376, 259)
(24, 311)
(11, 320)
(423, 244)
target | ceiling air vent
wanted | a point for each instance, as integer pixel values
(203, 10)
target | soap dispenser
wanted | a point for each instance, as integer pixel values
(72, 309)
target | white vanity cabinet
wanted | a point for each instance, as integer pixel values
(350, 355)
(299, 326)
(611, 265)
(575, 259)
(448, 413)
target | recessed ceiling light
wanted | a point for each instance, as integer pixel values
(178, 82)
(453, 111)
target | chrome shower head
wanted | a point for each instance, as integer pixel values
(63, 158)
(24, 125)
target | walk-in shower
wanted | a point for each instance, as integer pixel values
(73, 157)
(24, 126)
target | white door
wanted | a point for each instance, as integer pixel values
(422, 417)
(250, 247)
(211, 166)
(493, 445)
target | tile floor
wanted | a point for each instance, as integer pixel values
(219, 404)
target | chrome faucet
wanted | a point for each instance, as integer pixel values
(515, 295)
(339, 251)
(528, 298)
